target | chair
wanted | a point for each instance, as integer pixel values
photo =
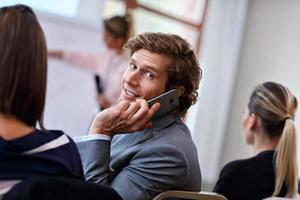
(178, 194)
(282, 198)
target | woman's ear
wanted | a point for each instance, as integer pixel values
(252, 122)
(180, 90)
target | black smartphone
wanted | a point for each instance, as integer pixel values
(169, 101)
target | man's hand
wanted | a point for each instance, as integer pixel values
(124, 117)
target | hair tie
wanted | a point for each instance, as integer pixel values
(288, 117)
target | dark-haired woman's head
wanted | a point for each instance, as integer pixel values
(23, 65)
(117, 30)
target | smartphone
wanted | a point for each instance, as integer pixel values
(169, 101)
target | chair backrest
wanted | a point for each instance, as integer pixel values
(178, 194)
(59, 188)
(282, 198)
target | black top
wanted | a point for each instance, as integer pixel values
(39, 153)
(251, 178)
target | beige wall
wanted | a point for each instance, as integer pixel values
(270, 52)
(70, 102)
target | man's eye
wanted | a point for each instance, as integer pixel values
(150, 75)
(132, 66)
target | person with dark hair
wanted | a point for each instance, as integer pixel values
(136, 156)
(110, 64)
(25, 150)
(268, 124)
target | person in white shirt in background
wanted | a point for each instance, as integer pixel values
(108, 66)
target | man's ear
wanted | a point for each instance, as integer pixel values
(180, 90)
(252, 122)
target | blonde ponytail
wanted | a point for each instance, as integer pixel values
(286, 170)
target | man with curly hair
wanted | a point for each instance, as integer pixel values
(161, 155)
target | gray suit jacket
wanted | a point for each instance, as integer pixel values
(142, 164)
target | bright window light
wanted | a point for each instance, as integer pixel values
(67, 8)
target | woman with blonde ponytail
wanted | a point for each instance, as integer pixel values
(268, 124)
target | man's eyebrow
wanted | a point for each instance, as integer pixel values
(151, 68)
(146, 66)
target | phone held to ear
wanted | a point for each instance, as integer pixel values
(169, 101)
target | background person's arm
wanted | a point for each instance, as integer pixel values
(83, 60)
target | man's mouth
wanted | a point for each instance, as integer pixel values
(131, 93)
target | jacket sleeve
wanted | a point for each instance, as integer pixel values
(95, 157)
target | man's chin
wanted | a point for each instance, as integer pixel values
(125, 98)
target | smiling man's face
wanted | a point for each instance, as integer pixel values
(145, 77)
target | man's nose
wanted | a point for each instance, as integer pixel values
(132, 78)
